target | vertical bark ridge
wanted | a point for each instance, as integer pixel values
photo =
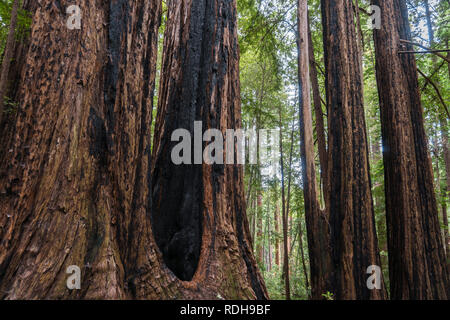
(416, 256)
(200, 82)
(353, 234)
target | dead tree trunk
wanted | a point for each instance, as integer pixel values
(199, 211)
(351, 212)
(416, 255)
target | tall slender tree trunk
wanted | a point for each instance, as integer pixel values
(254, 221)
(446, 190)
(77, 188)
(8, 55)
(316, 223)
(320, 125)
(417, 264)
(444, 134)
(288, 200)
(302, 255)
(352, 218)
(259, 233)
(277, 232)
(269, 244)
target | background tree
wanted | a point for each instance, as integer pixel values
(416, 253)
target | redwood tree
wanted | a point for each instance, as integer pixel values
(199, 211)
(417, 264)
(316, 221)
(351, 212)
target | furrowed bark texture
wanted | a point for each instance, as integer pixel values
(320, 124)
(416, 255)
(199, 210)
(75, 189)
(317, 225)
(352, 220)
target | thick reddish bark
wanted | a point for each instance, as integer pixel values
(276, 219)
(320, 124)
(75, 185)
(199, 215)
(416, 255)
(352, 219)
(284, 221)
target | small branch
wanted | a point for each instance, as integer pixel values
(437, 91)
(428, 50)
(432, 75)
(364, 11)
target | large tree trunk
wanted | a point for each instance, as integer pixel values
(199, 211)
(416, 256)
(76, 188)
(316, 223)
(352, 219)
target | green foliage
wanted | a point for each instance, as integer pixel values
(10, 107)
(23, 23)
(328, 296)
